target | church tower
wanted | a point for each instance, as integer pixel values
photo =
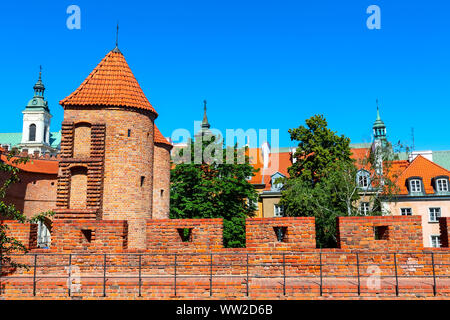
(36, 122)
(380, 143)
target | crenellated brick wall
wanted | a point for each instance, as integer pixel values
(104, 236)
(287, 234)
(168, 235)
(380, 233)
(176, 265)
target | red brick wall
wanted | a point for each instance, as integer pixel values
(161, 182)
(35, 193)
(24, 232)
(163, 235)
(106, 235)
(444, 224)
(126, 160)
(299, 234)
(357, 233)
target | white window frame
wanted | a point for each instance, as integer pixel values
(278, 211)
(406, 209)
(440, 188)
(415, 183)
(438, 242)
(364, 208)
(435, 216)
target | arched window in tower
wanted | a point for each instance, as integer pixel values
(32, 132)
(45, 133)
(78, 188)
(82, 140)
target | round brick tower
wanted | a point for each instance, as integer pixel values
(161, 176)
(108, 130)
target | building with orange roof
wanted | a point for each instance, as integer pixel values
(424, 190)
(114, 163)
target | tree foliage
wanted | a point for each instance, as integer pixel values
(9, 174)
(323, 178)
(206, 185)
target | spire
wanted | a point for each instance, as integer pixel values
(379, 128)
(116, 49)
(39, 87)
(205, 124)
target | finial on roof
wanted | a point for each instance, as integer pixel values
(205, 124)
(116, 49)
(40, 72)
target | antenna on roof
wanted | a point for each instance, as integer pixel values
(412, 135)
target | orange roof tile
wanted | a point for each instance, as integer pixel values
(424, 168)
(278, 162)
(159, 138)
(34, 165)
(111, 83)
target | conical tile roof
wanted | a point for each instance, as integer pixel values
(159, 138)
(111, 83)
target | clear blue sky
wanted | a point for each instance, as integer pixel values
(260, 64)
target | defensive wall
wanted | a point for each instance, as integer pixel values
(377, 257)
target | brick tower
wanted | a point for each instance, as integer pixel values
(107, 150)
(161, 177)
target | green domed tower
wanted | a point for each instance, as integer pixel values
(379, 128)
(36, 122)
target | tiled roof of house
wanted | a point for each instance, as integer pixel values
(159, 138)
(34, 165)
(111, 83)
(424, 168)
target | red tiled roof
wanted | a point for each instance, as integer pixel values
(278, 162)
(159, 138)
(111, 83)
(424, 168)
(34, 165)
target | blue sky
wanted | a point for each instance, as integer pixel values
(260, 64)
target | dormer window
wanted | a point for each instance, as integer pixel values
(363, 179)
(442, 185)
(276, 185)
(415, 186)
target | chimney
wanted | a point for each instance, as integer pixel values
(36, 154)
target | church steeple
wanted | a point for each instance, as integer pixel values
(38, 101)
(379, 128)
(39, 87)
(205, 123)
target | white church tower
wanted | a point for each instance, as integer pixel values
(36, 123)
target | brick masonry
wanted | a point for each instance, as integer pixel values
(207, 270)
(394, 233)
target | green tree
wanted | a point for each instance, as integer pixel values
(212, 183)
(9, 174)
(322, 178)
